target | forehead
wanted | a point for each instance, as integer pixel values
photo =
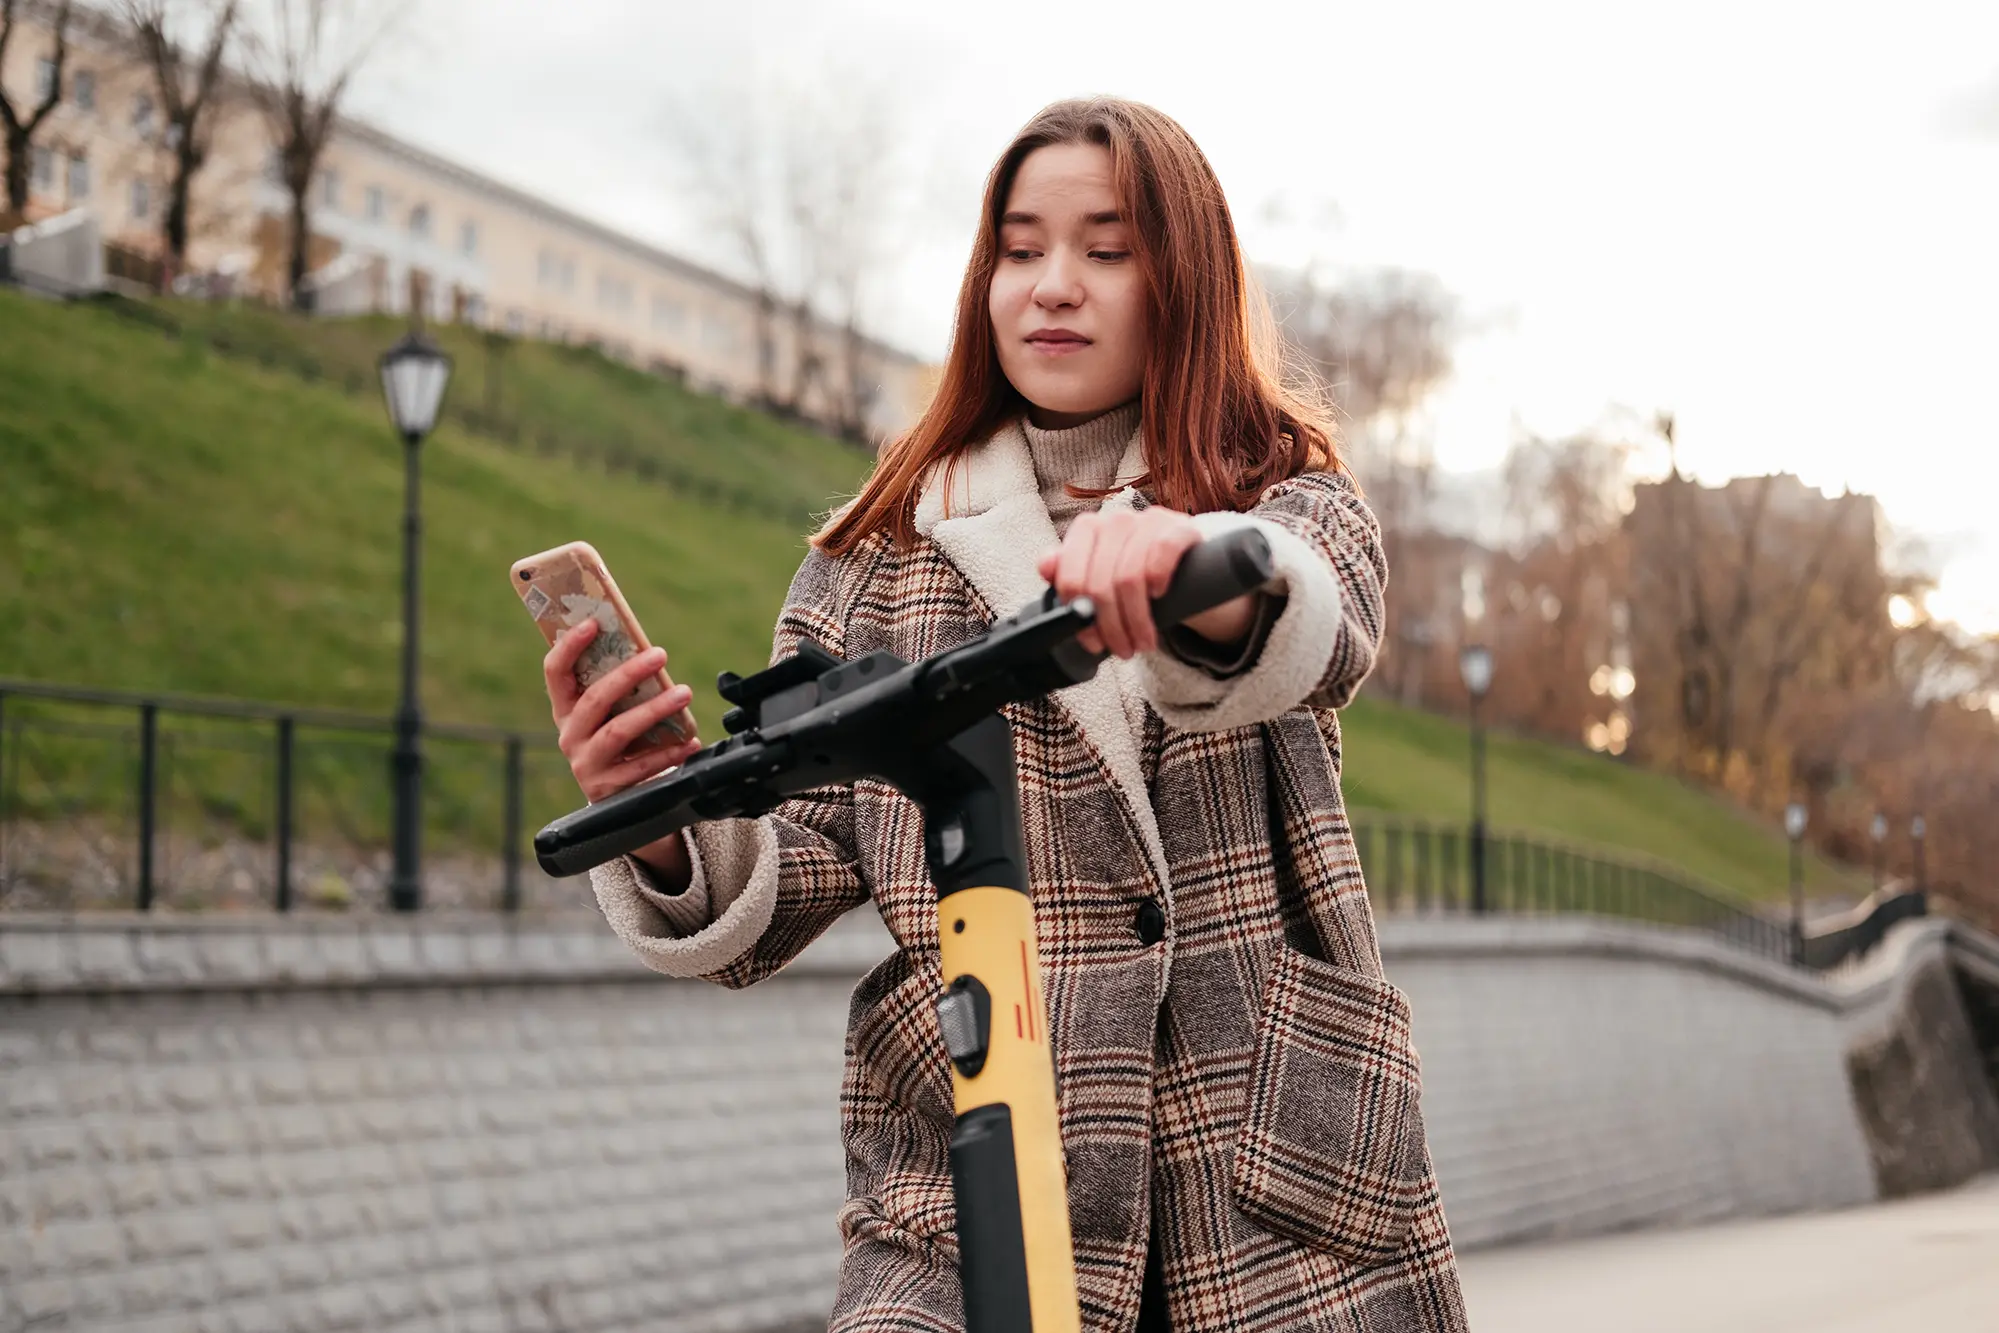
(1063, 179)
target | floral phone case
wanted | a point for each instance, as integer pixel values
(565, 586)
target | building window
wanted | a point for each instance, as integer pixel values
(468, 238)
(614, 293)
(568, 275)
(45, 79)
(545, 268)
(142, 201)
(716, 334)
(79, 178)
(378, 204)
(668, 315)
(44, 178)
(142, 114)
(420, 220)
(83, 89)
(329, 189)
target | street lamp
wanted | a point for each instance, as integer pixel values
(1795, 816)
(1475, 666)
(1919, 830)
(1878, 831)
(414, 373)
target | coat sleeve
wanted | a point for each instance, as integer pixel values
(1325, 613)
(763, 888)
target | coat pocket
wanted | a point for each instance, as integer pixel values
(1331, 1153)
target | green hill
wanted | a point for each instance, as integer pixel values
(177, 519)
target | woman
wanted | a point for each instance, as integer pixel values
(1238, 1094)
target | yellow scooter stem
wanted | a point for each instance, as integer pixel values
(1018, 1262)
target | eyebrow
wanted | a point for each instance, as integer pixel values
(1103, 219)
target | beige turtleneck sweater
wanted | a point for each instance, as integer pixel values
(1085, 455)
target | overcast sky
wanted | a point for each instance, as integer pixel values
(1776, 221)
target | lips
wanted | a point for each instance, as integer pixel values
(1057, 342)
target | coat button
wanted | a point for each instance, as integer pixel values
(1151, 923)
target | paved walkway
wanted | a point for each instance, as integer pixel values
(1929, 1264)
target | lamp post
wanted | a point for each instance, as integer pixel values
(1795, 816)
(414, 373)
(1475, 666)
(1919, 830)
(1878, 831)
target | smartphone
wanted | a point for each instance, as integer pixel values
(568, 585)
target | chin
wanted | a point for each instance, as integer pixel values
(1053, 393)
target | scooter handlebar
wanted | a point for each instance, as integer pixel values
(1220, 569)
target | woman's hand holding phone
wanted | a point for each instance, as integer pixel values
(597, 748)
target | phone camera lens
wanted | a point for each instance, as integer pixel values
(526, 574)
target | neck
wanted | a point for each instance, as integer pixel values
(1048, 419)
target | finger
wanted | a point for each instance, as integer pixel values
(630, 772)
(558, 667)
(1072, 561)
(594, 705)
(1101, 583)
(1134, 606)
(618, 734)
(1164, 558)
(1046, 565)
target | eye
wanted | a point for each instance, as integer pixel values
(1110, 256)
(1019, 252)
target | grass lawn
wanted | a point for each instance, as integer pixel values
(172, 519)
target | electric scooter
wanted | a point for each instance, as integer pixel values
(934, 731)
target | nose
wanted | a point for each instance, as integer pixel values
(1060, 284)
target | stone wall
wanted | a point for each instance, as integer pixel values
(1920, 1051)
(268, 1125)
(1582, 1076)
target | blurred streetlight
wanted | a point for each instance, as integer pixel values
(1878, 831)
(1918, 831)
(1795, 817)
(414, 373)
(1475, 666)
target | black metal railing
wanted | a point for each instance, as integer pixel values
(1852, 935)
(1424, 867)
(116, 799)
(119, 799)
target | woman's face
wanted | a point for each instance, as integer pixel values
(1067, 300)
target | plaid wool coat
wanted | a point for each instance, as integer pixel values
(1247, 1081)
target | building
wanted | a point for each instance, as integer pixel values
(398, 229)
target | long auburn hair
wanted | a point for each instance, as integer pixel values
(1220, 423)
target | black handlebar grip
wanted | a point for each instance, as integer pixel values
(585, 839)
(1219, 570)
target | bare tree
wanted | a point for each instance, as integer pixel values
(1381, 342)
(801, 186)
(20, 123)
(183, 45)
(302, 60)
(1560, 584)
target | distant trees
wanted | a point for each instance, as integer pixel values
(803, 184)
(22, 121)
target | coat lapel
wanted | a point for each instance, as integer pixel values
(993, 527)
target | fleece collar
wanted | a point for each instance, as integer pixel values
(993, 527)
